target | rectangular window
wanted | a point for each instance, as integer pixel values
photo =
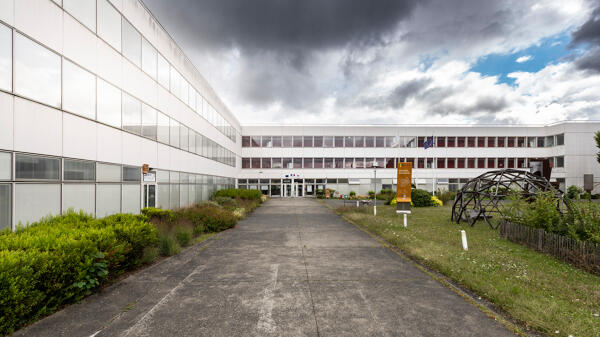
(441, 141)
(287, 163)
(79, 90)
(174, 133)
(109, 104)
(359, 162)
(421, 163)
(36, 168)
(318, 163)
(109, 24)
(265, 163)
(480, 141)
(349, 141)
(131, 173)
(245, 163)
(37, 72)
(5, 166)
(148, 122)
(200, 146)
(82, 10)
(308, 163)
(359, 141)
(531, 141)
(108, 173)
(318, 141)
(420, 141)
(162, 123)
(460, 163)
(560, 139)
(451, 163)
(266, 141)
(471, 163)
(390, 141)
(5, 206)
(79, 170)
(286, 141)
(349, 163)
(379, 141)
(501, 141)
(108, 199)
(369, 141)
(328, 141)
(338, 141)
(541, 142)
(328, 163)
(510, 163)
(510, 142)
(297, 141)
(33, 201)
(429, 163)
(369, 162)
(521, 163)
(132, 114)
(338, 163)
(192, 141)
(131, 43)
(5, 58)
(521, 142)
(276, 163)
(501, 163)
(480, 162)
(491, 163)
(491, 141)
(276, 141)
(255, 141)
(297, 162)
(163, 72)
(131, 198)
(245, 141)
(451, 141)
(149, 61)
(550, 141)
(389, 163)
(441, 163)
(460, 141)
(560, 161)
(183, 138)
(471, 142)
(380, 162)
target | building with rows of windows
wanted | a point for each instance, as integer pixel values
(101, 111)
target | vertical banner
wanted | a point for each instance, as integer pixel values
(403, 186)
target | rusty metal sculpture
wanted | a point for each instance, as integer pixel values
(480, 197)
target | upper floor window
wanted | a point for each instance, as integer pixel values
(82, 10)
(308, 141)
(287, 141)
(5, 58)
(36, 168)
(560, 139)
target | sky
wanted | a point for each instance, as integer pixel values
(394, 61)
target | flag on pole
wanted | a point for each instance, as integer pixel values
(428, 143)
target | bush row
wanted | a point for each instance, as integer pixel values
(239, 194)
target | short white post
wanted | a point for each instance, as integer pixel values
(464, 239)
(405, 216)
(357, 203)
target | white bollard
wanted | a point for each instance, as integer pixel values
(464, 239)
(405, 215)
(356, 203)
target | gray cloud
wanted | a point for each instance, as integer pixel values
(589, 34)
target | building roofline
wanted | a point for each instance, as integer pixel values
(415, 125)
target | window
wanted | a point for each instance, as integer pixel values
(421, 163)
(5, 58)
(359, 141)
(131, 173)
(287, 162)
(148, 122)
(349, 163)
(389, 163)
(255, 141)
(480, 162)
(460, 163)
(5, 206)
(266, 163)
(149, 60)
(109, 104)
(441, 163)
(328, 163)
(510, 142)
(297, 163)
(491, 163)
(460, 141)
(33, 201)
(510, 163)
(79, 90)
(131, 199)
(109, 24)
(471, 163)
(521, 163)
(297, 140)
(245, 163)
(429, 163)
(521, 142)
(183, 137)
(420, 141)
(328, 141)
(199, 146)
(174, 134)
(163, 71)
(338, 141)
(192, 141)
(560, 161)
(451, 163)
(79, 170)
(266, 141)
(349, 141)
(308, 163)
(390, 142)
(276, 163)
(318, 141)
(338, 163)
(531, 141)
(82, 10)
(379, 141)
(255, 163)
(5, 166)
(108, 199)
(471, 142)
(131, 43)
(37, 72)
(399, 142)
(359, 162)
(501, 162)
(36, 168)
(162, 125)
(441, 141)
(541, 142)
(287, 141)
(108, 173)
(132, 114)
(369, 141)
(318, 163)
(451, 141)
(550, 141)
(369, 162)
(560, 139)
(245, 141)
(491, 141)
(79, 197)
(380, 162)
(276, 141)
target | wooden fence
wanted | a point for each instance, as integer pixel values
(585, 255)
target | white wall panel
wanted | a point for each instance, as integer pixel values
(42, 20)
(139, 84)
(37, 128)
(110, 148)
(80, 45)
(108, 199)
(6, 121)
(109, 64)
(7, 11)
(149, 152)
(79, 137)
(132, 149)
(164, 156)
(131, 199)
(34, 201)
(79, 197)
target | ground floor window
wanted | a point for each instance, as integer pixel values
(5, 206)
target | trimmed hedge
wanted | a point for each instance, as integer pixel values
(61, 259)
(421, 198)
(238, 193)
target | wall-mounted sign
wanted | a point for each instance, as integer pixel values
(145, 168)
(403, 186)
(149, 177)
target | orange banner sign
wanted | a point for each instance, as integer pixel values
(403, 184)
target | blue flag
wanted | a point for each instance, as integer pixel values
(428, 143)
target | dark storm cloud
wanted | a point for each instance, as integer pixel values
(589, 34)
(407, 90)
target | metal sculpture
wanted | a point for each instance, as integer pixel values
(480, 197)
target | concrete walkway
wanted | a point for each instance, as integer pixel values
(293, 268)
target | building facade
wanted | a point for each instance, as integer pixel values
(297, 160)
(90, 92)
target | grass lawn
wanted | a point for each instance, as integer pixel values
(540, 291)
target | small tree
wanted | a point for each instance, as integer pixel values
(597, 139)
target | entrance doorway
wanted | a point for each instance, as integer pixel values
(290, 189)
(149, 195)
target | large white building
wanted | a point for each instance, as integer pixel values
(91, 91)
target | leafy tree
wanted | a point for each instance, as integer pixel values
(597, 139)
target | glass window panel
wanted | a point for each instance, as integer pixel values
(148, 122)
(79, 197)
(255, 141)
(379, 141)
(131, 173)
(163, 71)
(349, 163)
(132, 200)
(339, 141)
(132, 114)
(460, 163)
(460, 141)
(531, 141)
(297, 163)
(174, 134)
(491, 141)
(108, 199)
(131, 43)
(276, 163)
(560, 161)
(174, 202)
(328, 141)
(163, 127)
(501, 141)
(246, 141)
(109, 24)
(266, 163)
(34, 201)
(318, 141)
(511, 163)
(318, 163)
(369, 162)
(276, 141)
(149, 59)
(184, 194)
(192, 98)
(471, 163)
(255, 163)
(297, 141)
(359, 162)
(480, 162)
(199, 141)
(38, 168)
(480, 141)
(286, 141)
(339, 163)
(501, 162)
(560, 139)
(421, 163)
(471, 142)
(521, 142)
(390, 141)
(420, 141)
(491, 163)
(541, 142)
(451, 141)
(412, 141)
(349, 141)
(174, 177)
(369, 141)
(175, 82)
(82, 10)
(441, 163)
(37, 72)
(5, 206)
(109, 104)
(183, 137)
(79, 90)
(79, 170)
(245, 163)
(5, 58)
(510, 142)
(108, 173)
(308, 163)
(192, 141)
(5, 166)
(266, 141)
(550, 141)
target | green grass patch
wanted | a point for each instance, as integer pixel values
(538, 290)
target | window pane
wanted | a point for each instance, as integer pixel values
(339, 141)
(379, 141)
(82, 10)
(148, 122)
(318, 163)
(451, 141)
(39, 168)
(276, 141)
(174, 202)
(297, 140)
(369, 141)
(149, 59)
(5, 206)
(471, 142)
(132, 114)
(255, 141)
(266, 141)
(460, 142)
(246, 141)
(5, 58)
(199, 141)
(5, 166)
(109, 24)
(162, 123)
(328, 141)
(131, 173)
(501, 141)
(266, 163)
(287, 141)
(510, 142)
(308, 163)
(276, 163)
(131, 199)
(183, 138)
(349, 141)
(79, 170)
(163, 71)
(132, 43)
(34, 201)
(339, 163)
(255, 162)
(318, 141)
(79, 197)
(108, 199)
(79, 90)
(480, 162)
(560, 161)
(441, 163)
(560, 139)
(174, 134)
(192, 141)
(297, 163)
(108, 173)
(480, 141)
(109, 104)
(37, 72)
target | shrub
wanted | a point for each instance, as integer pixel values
(436, 202)
(183, 236)
(573, 192)
(213, 219)
(371, 194)
(352, 194)
(445, 196)
(320, 193)
(159, 214)
(421, 198)
(238, 193)
(226, 202)
(168, 246)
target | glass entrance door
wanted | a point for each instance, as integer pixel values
(288, 190)
(149, 195)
